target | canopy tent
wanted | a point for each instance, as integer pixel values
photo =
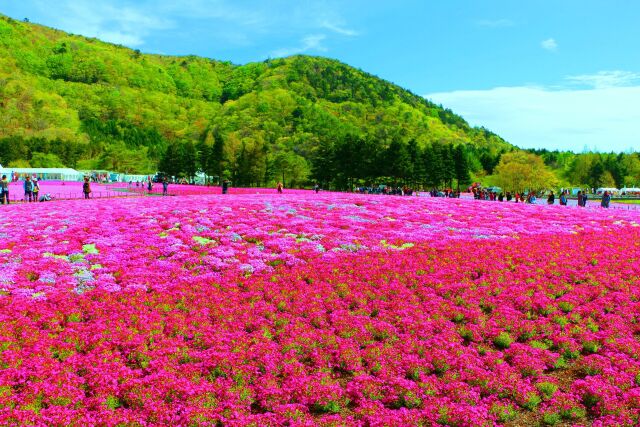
(610, 190)
(630, 191)
(133, 178)
(47, 174)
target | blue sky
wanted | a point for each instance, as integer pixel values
(555, 74)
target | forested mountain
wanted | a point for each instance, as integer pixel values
(75, 101)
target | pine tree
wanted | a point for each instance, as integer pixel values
(189, 159)
(461, 166)
(204, 158)
(170, 162)
(397, 160)
(217, 156)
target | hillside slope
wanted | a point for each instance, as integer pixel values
(83, 103)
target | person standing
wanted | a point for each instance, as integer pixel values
(279, 188)
(606, 199)
(4, 189)
(585, 197)
(580, 198)
(86, 187)
(165, 186)
(36, 189)
(563, 199)
(149, 185)
(28, 189)
(225, 186)
(551, 199)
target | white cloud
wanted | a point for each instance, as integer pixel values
(605, 119)
(339, 29)
(495, 23)
(606, 79)
(255, 18)
(549, 44)
(309, 43)
(123, 25)
(228, 22)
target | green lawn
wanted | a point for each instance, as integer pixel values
(627, 201)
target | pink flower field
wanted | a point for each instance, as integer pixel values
(318, 309)
(66, 190)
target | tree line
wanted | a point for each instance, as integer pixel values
(353, 160)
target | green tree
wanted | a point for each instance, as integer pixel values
(520, 171)
(45, 160)
(204, 158)
(217, 156)
(170, 162)
(461, 166)
(189, 159)
(596, 171)
(397, 161)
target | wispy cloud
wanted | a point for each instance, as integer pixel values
(606, 79)
(246, 17)
(311, 42)
(495, 23)
(338, 29)
(600, 117)
(549, 44)
(226, 22)
(127, 25)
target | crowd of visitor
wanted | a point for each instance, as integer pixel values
(386, 190)
(31, 187)
(532, 197)
(32, 193)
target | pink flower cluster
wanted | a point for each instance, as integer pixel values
(312, 309)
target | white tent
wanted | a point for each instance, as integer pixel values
(630, 190)
(610, 190)
(55, 174)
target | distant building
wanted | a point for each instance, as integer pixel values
(46, 174)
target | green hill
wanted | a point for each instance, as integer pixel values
(79, 102)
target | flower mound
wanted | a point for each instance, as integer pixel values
(324, 309)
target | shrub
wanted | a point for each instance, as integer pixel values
(503, 412)
(590, 347)
(551, 418)
(532, 402)
(503, 340)
(547, 389)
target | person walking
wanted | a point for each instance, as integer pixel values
(149, 185)
(86, 187)
(606, 199)
(28, 189)
(4, 189)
